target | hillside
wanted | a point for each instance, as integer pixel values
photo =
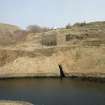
(88, 34)
(10, 28)
(8, 34)
(79, 49)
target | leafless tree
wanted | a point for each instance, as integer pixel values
(36, 29)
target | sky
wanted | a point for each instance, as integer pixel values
(51, 13)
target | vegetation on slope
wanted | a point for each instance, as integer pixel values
(86, 58)
(9, 34)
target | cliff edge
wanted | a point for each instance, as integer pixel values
(80, 50)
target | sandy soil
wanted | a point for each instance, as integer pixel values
(8, 102)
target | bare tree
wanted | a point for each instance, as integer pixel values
(68, 26)
(36, 29)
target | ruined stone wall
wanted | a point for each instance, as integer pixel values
(49, 39)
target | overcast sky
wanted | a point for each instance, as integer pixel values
(52, 13)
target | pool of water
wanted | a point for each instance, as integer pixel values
(53, 91)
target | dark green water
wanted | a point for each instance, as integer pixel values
(47, 91)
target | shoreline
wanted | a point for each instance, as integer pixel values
(79, 62)
(68, 76)
(12, 102)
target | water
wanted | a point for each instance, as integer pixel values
(46, 91)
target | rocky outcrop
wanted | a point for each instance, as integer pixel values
(75, 61)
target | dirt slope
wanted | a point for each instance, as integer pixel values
(83, 55)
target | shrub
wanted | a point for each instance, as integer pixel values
(68, 26)
(49, 40)
(80, 24)
(36, 29)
